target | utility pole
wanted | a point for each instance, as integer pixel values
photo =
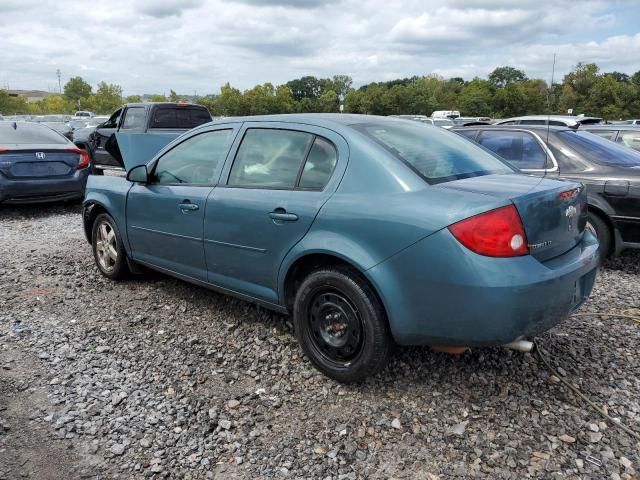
(59, 74)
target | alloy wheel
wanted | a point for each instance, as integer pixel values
(106, 246)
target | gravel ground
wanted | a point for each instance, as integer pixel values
(154, 378)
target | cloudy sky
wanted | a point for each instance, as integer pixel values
(150, 46)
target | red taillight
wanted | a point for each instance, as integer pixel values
(568, 194)
(497, 233)
(84, 157)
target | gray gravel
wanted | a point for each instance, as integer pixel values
(156, 378)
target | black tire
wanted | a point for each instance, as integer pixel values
(112, 268)
(329, 306)
(603, 232)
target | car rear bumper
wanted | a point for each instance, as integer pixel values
(36, 190)
(438, 292)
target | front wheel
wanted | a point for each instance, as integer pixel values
(108, 249)
(341, 325)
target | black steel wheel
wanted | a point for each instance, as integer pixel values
(341, 325)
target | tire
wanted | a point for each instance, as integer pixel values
(603, 232)
(108, 249)
(341, 325)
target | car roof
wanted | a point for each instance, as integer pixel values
(171, 104)
(612, 126)
(574, 118)
(542, 128)
(320, 119)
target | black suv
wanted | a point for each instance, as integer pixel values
(141, 118)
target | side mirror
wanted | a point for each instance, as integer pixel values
(138, 174)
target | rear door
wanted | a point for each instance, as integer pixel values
(280, 177)
(165, 216)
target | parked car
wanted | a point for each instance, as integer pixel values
(38, 164)
(166, 119)
(627, 135)
(610, 172)
(554, 120)
(625, 122)
(438, 122)
(81, 135)
(84, 114)
(62, 128)
(365, 228)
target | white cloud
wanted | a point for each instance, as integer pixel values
(187, 45)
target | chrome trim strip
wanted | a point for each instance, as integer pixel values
(166, 233)
(234, 245)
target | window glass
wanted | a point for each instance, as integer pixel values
(134, 118)
(509, 122)
(27, 133)
(608, 134)
(436, 155)
(467, 133)
(520, 149)
(557, 123)
(179, 117)
(319, 165)
(533, 122)
(113, 120)
(629, 139)
(194, 161)
(598, 150)
(269, 158)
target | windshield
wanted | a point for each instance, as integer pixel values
(437, 156)
(600, 150)
(28, 134)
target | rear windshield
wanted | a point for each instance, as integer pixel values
(179, 117)
(436, 155)
(28, 134)
(600, 150)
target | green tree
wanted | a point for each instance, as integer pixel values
(107, 98)
(76, 90)
(12, 105)
(158, 98)
(476, 97)
(133, 99)
(503, 76)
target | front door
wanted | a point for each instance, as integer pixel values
(165, 216)
(99, 139)
(278, 181)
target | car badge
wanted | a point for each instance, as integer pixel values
(40, 155)
(570, 212)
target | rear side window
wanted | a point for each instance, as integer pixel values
(270, 158)
(134, 118)
(434, 154)
(598, 150)
(319, 165)
(194, 161)
(467, 133)
(28, 134)
(179, 117)
(533, 122)
(520, 149)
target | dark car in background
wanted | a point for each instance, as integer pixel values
(166, 119)
(610, 172)
(573, 121)
(38, 164)
(627, 135)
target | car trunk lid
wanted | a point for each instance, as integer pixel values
(553, 212)
(38, 162)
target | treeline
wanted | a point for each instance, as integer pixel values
(506, 92)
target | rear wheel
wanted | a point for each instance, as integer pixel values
(341, 325)
(108, 250)
(603, 232)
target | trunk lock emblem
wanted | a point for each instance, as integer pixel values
(40, 155)
(570, 212)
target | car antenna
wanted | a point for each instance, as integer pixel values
(15, 125)
(546, 152)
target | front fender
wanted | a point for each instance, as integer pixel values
(110, 193)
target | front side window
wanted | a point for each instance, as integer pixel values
(134, 118)
(437, 156)
(193, 161)
(269, 158)
(520, 149)
(113, 120)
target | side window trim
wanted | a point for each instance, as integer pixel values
(296, 185)
(302, 167)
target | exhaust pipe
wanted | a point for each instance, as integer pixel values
(524, 346)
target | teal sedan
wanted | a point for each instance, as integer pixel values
(367, 230)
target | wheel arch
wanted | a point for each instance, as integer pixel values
(90, 211)
(615, 235)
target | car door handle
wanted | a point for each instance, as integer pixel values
(187, 206)
(281, 215)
